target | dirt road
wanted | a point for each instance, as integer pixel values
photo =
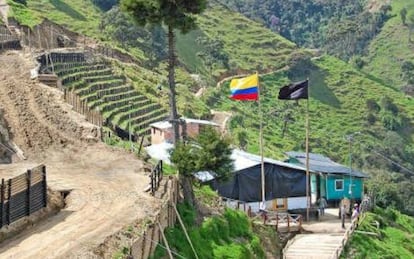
(106, 184)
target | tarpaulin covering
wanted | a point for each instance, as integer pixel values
(280, 182)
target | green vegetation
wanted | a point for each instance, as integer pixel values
(337, 107)
(226, 236)
(247, 44)
(365, 97)
(23, 15)
(389, 51)
(341, 28)
(76, 15)
(343, 100)
(394, 236)
(209, 151)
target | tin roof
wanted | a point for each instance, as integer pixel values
(322, 164)
(166, 124)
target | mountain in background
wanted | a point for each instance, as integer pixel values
(345, 96)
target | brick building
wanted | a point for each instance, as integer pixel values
(162, 131)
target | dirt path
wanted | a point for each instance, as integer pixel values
(221, 118)
(106, 184)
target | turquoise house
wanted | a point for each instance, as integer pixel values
(330, 179)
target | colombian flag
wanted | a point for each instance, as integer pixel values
(245, 89)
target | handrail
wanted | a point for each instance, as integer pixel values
(267, 216)
(156, 177)
(350, 230)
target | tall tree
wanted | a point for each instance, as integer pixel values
(208, 152)
(175, 14)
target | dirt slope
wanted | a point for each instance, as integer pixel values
(106, 183)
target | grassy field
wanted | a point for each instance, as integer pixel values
(391, 47)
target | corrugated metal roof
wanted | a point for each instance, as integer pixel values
(243, 160)
(167, 124)
(322, 164)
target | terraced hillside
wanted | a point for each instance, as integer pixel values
(113, 95)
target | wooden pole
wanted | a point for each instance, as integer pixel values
(2, 198)
(30, 41)
(9, 191)
(38, 37)
(307, 157)
(263, 205)
(185, 231)
(165, 240)
(29, 194)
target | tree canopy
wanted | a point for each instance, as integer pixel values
(177, 14)
(207, 152)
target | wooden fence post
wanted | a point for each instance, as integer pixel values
(288, 222)
(28, 196)
(44, 185)
(8, 218)
(165, 240)
(2, 202)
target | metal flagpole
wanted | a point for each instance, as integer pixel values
(307, 156)
(263, 205)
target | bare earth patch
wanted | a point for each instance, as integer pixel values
(106, 184)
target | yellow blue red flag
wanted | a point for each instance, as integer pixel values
(245, 89)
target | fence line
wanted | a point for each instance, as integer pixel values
(364, 207)
(23, 195)
(82, 107)
(8, 40)
(145, 245)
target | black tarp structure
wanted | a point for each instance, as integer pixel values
(280, 182)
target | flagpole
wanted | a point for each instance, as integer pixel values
(261, 147)
(307, 156)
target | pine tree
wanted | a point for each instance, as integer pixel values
(178, 14)
(175, 14)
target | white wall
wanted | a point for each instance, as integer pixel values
(297, 203)
(292, 203)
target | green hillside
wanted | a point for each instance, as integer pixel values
(227, 41)
(338, 106)
(343, 99)
(391, 48)
(77, 15)
(392, 239)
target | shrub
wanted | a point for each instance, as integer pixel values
(23, 2)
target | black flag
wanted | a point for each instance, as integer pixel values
(294, 91)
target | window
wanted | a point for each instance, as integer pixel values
(339, 185)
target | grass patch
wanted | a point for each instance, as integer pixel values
(395, 237)
(391, 47)
(226, 236)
